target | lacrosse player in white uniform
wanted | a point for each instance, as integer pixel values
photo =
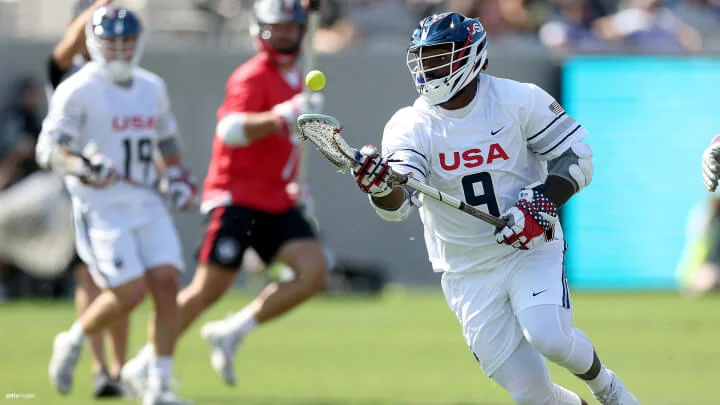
(106, 125)
(485, 140)
(705, 277)
(68, 56)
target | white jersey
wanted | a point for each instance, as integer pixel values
(122, 124)
(482, 154)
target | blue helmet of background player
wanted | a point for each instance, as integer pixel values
(267, 14)
(114, 41)
(439, 77)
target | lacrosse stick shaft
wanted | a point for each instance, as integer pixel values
(453, 202)
(313, 21)
(91, 148)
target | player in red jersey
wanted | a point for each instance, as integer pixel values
(255, 156)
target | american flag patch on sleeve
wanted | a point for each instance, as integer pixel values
(556, 108)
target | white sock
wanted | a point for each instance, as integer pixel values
(146, 354)
(564, 396)
(160, 371)
(603, 379)
(242, 322)
(76, 333)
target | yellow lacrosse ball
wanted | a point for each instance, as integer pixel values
(315, 80)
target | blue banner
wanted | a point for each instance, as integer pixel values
(649, 119)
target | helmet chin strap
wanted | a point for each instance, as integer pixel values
(118, 71)
(276, 56)
(261, 39)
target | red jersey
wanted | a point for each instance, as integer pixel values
(255, 175)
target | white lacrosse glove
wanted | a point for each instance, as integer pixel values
(373, 174)
(302, 197)
(182, 188)
(531, 218)
(711, 164)
(302, 103)
(98, 171)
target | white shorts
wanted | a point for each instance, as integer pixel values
(487, 303)
(119, 245)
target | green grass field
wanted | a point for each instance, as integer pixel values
(404, 348)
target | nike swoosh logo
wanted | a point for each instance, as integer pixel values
(538, 293)
(493, 133)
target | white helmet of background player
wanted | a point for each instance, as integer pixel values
(268, 14)
(467, 55)
(114, 41)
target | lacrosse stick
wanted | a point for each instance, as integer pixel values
(324, 132)
(161, 186)
(313, 21)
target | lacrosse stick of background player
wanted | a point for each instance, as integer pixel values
(313, 21)
(161, 187)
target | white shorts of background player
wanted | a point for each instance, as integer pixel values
(487, 302)
(119, 243)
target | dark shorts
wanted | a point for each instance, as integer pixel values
(75, 261)
(230, 230)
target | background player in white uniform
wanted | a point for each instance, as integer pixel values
(705, 277)
(68, 56)
(484, 140)
(120, 117)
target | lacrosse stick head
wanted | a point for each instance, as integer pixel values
(324, 132)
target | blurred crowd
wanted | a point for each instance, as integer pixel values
(20, 123)
(578, 26)
(586, 26)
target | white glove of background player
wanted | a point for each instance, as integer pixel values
(302, 103)
(711, 164)
(302, 197)
(182, 188)
(99, 171)
(373, 174)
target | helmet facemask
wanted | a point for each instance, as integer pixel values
(278, 18)
(285, 52)
(440, 71)
(118, 55)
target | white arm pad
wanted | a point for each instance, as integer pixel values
(231, 129)
(396, 215)
(43, 152)
(582, 171)
(50, 155)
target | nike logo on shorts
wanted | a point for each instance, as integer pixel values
(538, 293)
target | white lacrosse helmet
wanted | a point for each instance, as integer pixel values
(269, 12)
(114, 41)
